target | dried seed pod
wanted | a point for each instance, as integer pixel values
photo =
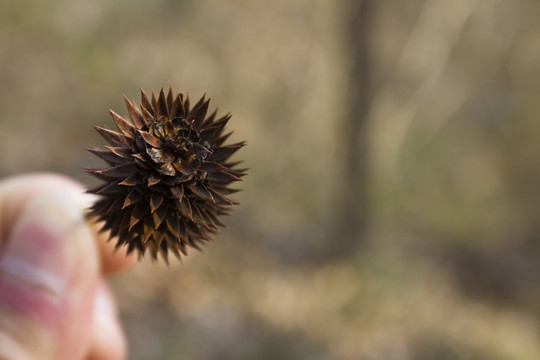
(168, 176)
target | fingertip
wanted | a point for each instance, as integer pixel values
(113, 260)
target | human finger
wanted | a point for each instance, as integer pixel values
(49, 269)
(107, 341)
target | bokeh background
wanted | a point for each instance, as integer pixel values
(392, 209)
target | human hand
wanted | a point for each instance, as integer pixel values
(54, 302)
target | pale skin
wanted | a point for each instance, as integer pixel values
(54, 301)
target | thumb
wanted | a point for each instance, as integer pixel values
(48, 275)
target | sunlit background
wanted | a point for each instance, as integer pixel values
(392, 209)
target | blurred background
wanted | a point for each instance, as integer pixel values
(392, 209)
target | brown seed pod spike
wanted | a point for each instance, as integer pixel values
(168, 177)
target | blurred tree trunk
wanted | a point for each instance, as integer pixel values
(352, 213)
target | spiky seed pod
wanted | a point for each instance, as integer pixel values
(169, 175)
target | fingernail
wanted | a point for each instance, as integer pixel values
(42, 250)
